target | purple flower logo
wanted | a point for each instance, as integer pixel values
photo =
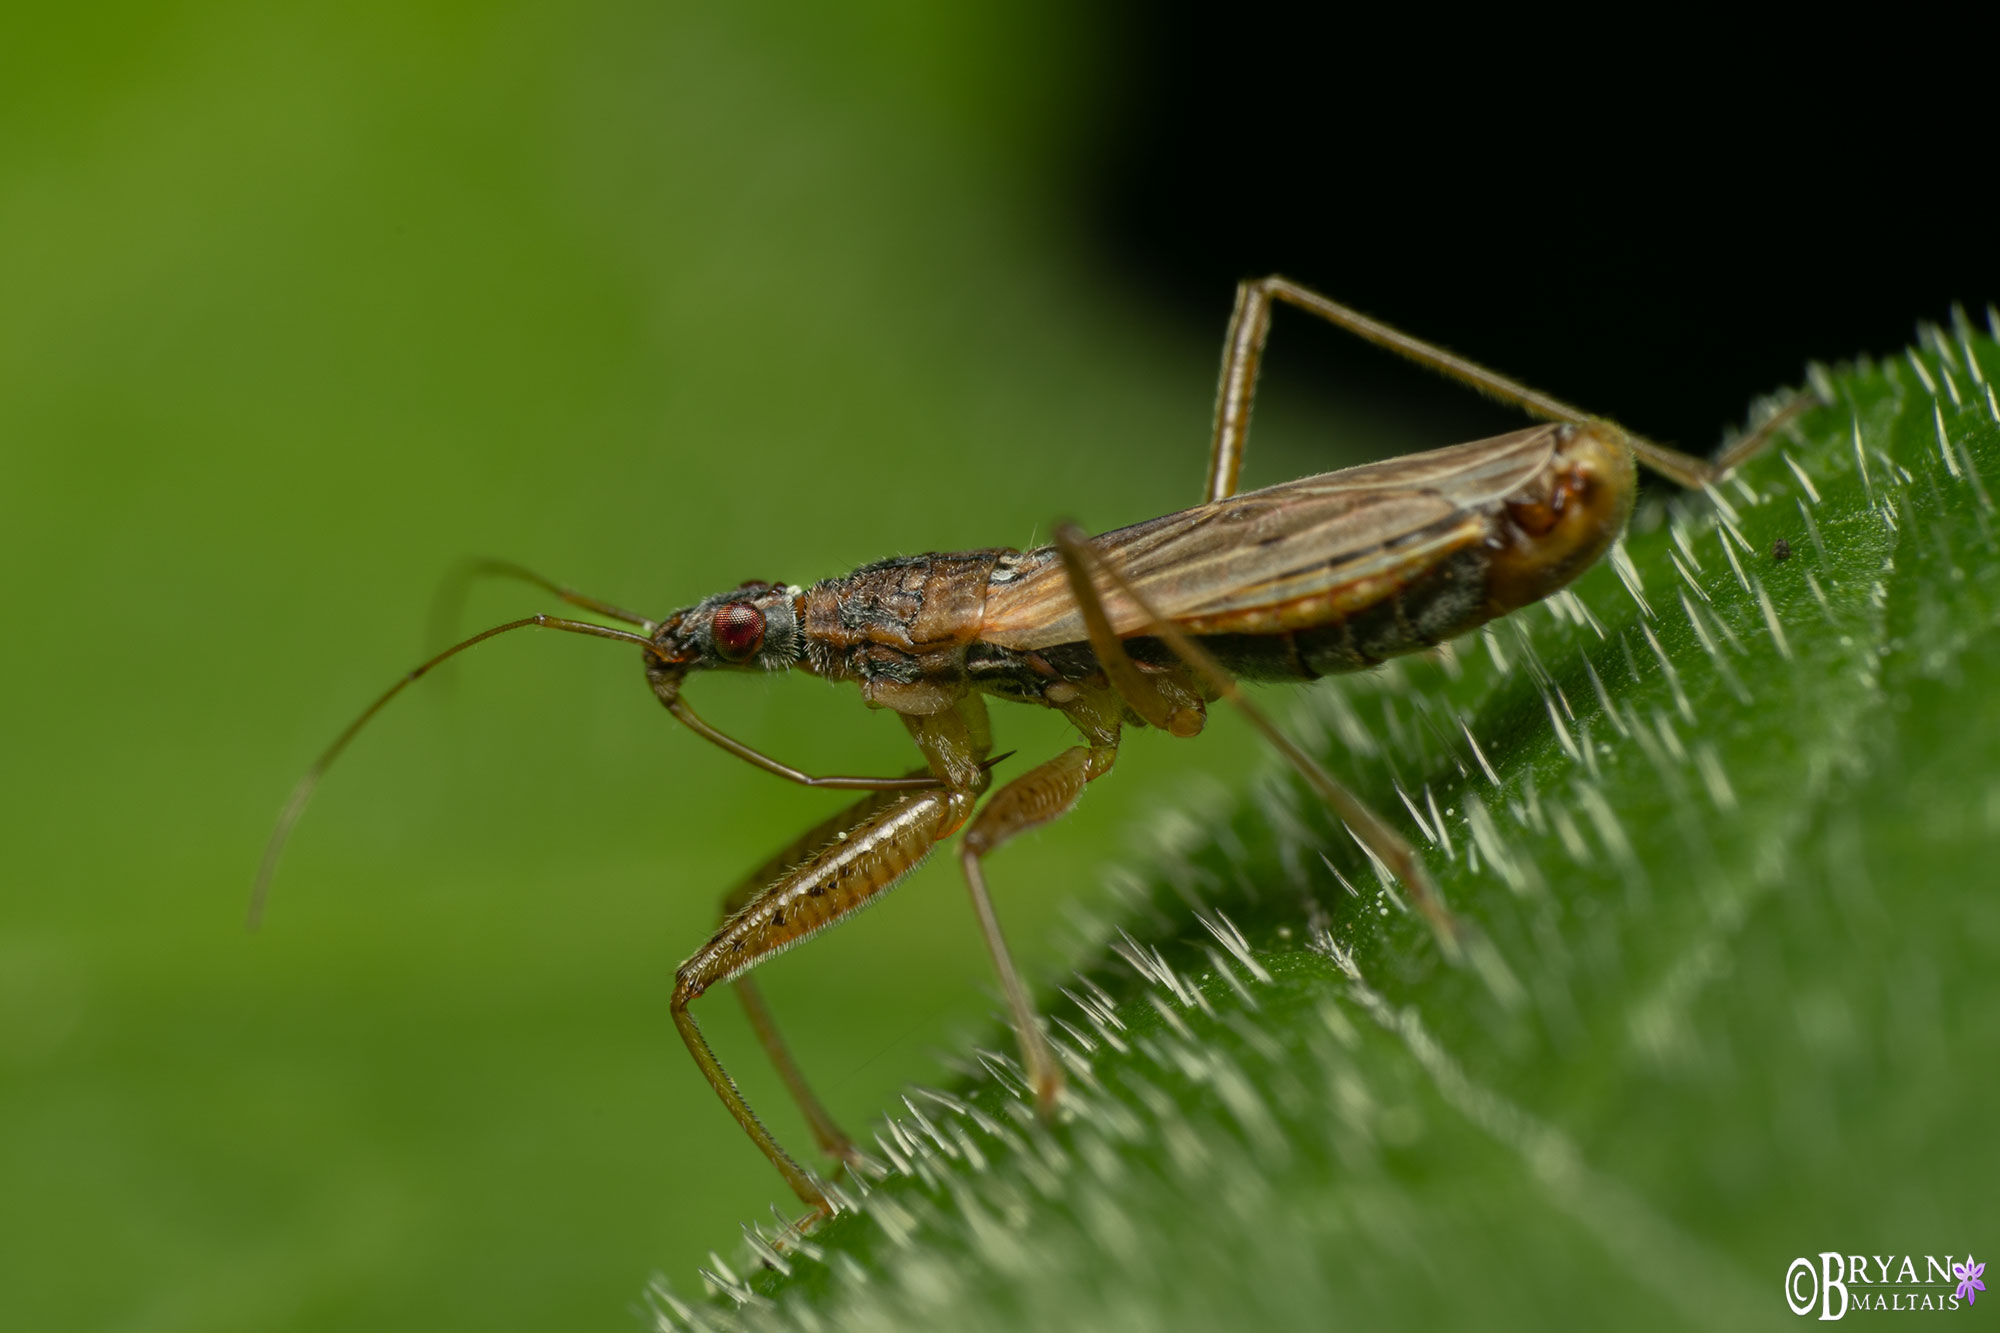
(1968, 1275)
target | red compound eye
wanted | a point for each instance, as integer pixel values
(739, 631)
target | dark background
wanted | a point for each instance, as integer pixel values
(1656, 227)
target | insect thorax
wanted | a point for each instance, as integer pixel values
(900, 621)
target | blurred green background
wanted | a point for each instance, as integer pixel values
(298, 306)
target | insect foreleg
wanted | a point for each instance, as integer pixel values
(831, 1139)
(1376, 834)
(890, 836)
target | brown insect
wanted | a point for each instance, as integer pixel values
(1139, 627)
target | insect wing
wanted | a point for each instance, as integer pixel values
(1281, 558)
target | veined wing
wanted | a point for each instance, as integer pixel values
(1286, 557)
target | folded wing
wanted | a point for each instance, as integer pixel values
(1305, 553)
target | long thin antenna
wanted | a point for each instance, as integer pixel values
(449, 599)
(303, 793)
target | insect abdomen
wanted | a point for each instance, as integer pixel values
(1447, 601)
(1533, 544)
(1463, 571)
(1444, 603)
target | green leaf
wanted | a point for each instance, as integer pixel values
(1726, 823)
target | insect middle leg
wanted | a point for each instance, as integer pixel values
(1042, 794)
(956, 741)
(1250, 327)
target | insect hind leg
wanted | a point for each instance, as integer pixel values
(1250, 327)
(1084, 565)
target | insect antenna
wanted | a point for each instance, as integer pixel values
(295, 806)
(449, 601)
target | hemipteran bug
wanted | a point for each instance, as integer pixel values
(1139, 627)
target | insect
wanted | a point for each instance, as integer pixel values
(1144, 626)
